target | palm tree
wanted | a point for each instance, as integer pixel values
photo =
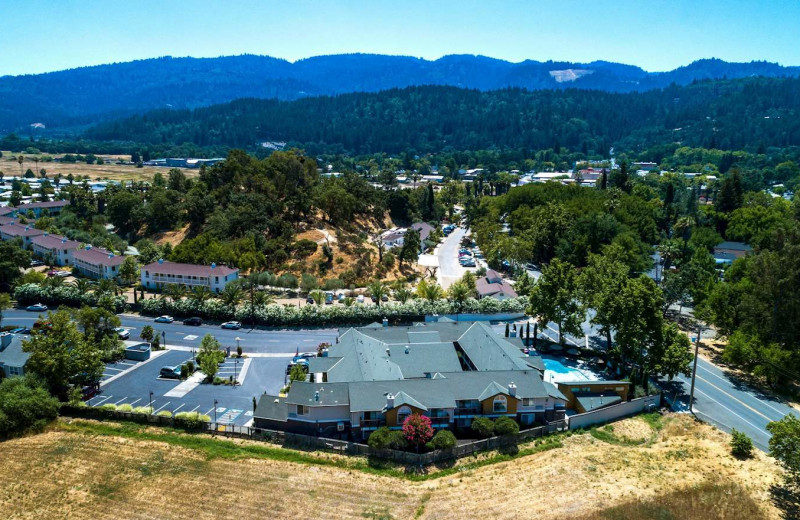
(377, 290)
(403, 294)
(54, 281)
(458, 293)
(107, 286)
(318, 296)
(175, 291)
(200, 294)
(262, 298)
(231, 295)
(83, 285)
(429, 290)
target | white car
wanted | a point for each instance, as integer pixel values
(164, 319)
(122, 333)
(232, 325)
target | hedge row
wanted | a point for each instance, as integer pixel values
(314, 315)
(64, 295)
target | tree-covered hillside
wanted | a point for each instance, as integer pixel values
(77, 97)
(731, 114)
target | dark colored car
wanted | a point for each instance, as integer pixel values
(194, 321)
(170, 372)
(87, 392)
(20, 330)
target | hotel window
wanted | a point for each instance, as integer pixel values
(402, 414)
(499, 405)
(528, 401)
(302, 410)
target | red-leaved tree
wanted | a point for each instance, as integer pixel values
(417, 430)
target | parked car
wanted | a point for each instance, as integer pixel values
(87, 392)
(328, 298)
(360, 298)
(310, 300)
(36, 307)
(194, 321)
(385, 298)
(122, 333)
(164, 319)
(36, 263)
(170, 372)
(305, 356)
(20, 330)
(232, 325)
(51, 272)
(63, 274)
(341, 297)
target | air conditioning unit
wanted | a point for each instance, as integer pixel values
(340, 427)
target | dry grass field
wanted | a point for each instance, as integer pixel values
(107, 171)
(637, 469)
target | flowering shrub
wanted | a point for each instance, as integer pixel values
(417, 430)
(68, 295)
(315, 315)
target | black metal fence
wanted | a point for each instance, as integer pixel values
(297, 440)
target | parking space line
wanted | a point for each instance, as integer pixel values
(210, 410)
(136, 401)
(103, 400)
(195, 408)
(121, 400)
(162, 407)
(178, 408)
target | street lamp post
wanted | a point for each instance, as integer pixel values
(215, 413)
(164, 339)
(235, 371)
(151, 401)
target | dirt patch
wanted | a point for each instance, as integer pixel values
(171, 237)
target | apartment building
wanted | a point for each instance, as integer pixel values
(25, 232)
(57, 248)
(377, 376)
(97, 263)
(162, 273)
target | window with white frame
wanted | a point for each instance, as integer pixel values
(302, 410)
(528, 401)
(500, 405)
(402, 414)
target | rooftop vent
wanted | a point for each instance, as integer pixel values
(160, 260)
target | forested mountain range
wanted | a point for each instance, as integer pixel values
(748, 113)
(71, 98)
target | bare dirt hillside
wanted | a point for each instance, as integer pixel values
(671, 468)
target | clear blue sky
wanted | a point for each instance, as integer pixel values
(46, 35)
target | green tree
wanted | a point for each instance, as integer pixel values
(640, 331)
(377, 290)
(403, 294)
(147, 333)
(24, 405)
(553, 298)
(12, 259)
(430, 291)
(784, 446)
(5, 303)
(741, 444)
(61, 356)
(297, 373)
(458, 293)
(506, 426)
(599, 287)
(412, 245)
(129, 273)
(444, 440)
(209, 356)
(483, 427)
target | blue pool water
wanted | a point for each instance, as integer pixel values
(555, 370)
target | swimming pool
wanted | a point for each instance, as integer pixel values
(556, 371)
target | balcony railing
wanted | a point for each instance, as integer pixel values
(471, 410)
(372, 423)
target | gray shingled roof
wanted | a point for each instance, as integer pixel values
(272, 407)
(491, 389)
(488, 351)
(12, 355)
(322, 364)
(330, 394)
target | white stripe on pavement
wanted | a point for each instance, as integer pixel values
(178, 408)
(701, 367)
(162, 407)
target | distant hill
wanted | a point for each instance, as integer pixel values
(744, 113)
(73, 98)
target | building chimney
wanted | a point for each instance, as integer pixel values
(316, 396)
(512, 389)
(388, 352)
(408, 349)
(389, 401)
(160, 260)
(213, 265)
(5, 340)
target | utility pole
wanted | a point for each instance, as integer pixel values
(694, 369)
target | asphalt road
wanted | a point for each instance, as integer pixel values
(450, 271)
(177, 334)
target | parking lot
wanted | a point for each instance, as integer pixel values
(231, 405)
